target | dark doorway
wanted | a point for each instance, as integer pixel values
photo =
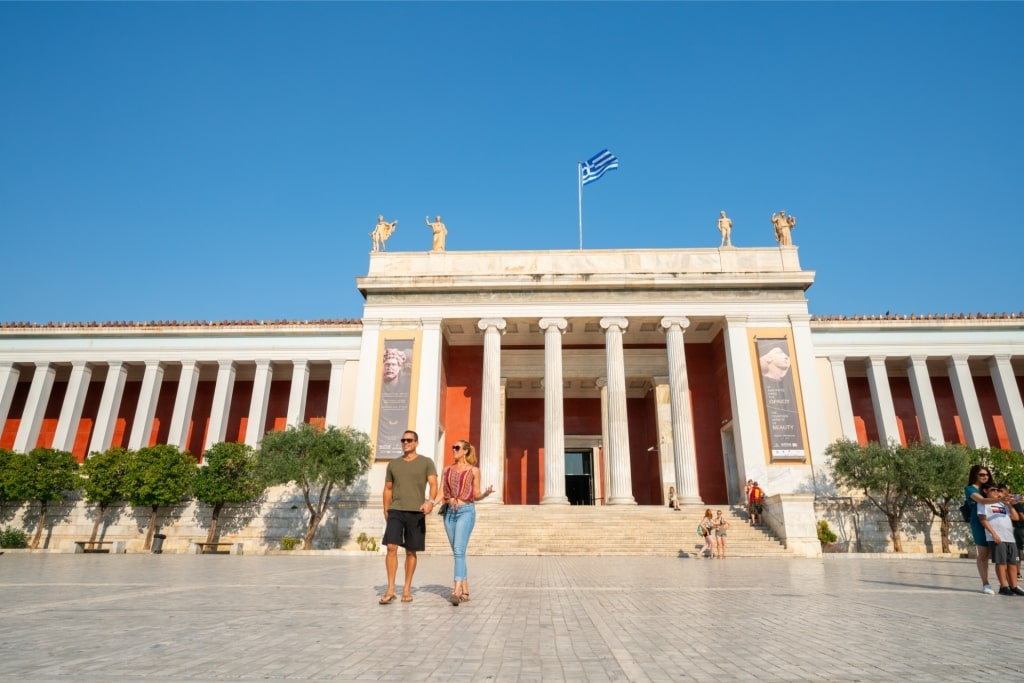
(579, 477)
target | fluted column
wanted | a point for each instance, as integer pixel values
(606, 466)
(881, 398)
(967, 404)
(333, 417)
(297, 394)
(491, 418)
(554, 413)
(219, 411)
(684, 447)
(71, 410)
(618, 422)
(110, 404)
(184, 402)
(8, 383)
(428, 394)
(35, 407)
(924, 399)
(842, 390)
(257, 419)
(145, 410)
(1010, 405)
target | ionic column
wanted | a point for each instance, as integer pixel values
(145, 411)
(184, 401)
(666, 439)
(747, 429)
(924, 399)
(222, 392)
(35, 408)
(258, 403)
(8, 383)
(684, 448)
(606, 466)
(967, 404)
(842, 389)
(881, 398)
(110, 404)
(554, 413)
(618, 423)
(1010, 405)
(71, 410)
(428, 402)
(296, 414)
(491, 418)
(333, 417)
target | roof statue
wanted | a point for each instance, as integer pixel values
(725, 227)
(381, 232)
(440, 232)
(783, 227)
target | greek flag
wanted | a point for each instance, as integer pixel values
(596, 166)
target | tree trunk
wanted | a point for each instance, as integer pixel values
(214, 516)
(99, 520)
(152, 529)
(314, 522)
(39, 527)
(944, 531)
(897, 540)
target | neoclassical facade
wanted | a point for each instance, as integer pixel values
(584, 377)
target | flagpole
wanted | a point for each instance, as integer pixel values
(579, 177)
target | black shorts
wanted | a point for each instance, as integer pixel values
(407, 529)
(1003, 553)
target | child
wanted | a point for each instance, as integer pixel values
(997, 518)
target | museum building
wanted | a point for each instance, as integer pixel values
(597, 377)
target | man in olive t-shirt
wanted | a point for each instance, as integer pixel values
(405, 511)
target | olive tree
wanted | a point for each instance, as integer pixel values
(157, 476)
(940, 473)
(318, 461)
(229, 475)
(103, 481)
(884, 474)
(43, 475)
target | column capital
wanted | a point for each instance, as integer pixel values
(669, 322)
(621, 323)
(837, 360)
(959, 358)
(877, 358)
(559, 323)
(601, 382)
(262, 362)
(916, 358)
(736, 319)
(371, 324)
(431, 323)
(1002, 358)
(802, 319)
(485, 324)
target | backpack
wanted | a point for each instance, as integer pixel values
(756, 494)
(965, 509)
(701, 531)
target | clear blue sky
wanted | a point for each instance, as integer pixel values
(227, 160)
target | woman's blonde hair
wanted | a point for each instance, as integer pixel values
(470, 451)
(707, 513)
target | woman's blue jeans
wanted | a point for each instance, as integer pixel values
(459, 523)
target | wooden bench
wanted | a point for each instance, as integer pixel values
(96, 546)
(204, 548)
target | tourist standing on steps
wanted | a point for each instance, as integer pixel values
(460, 489)
(405, 511)
(721, 526)
(707, 525)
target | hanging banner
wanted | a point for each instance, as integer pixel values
(395, 383)
(779, 396)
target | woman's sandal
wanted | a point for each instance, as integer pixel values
(455, 599)
(464, 597)
(387, 599)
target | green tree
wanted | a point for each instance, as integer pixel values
(155, 476)
(103, 482)
(5, 462)
(229, 475)
(43, 475)
(884, 474)
(940, 475)
(318, 461)
(1007, 467)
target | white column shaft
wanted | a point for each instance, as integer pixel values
(110, 405)
(8, 383)
(367, 373)
(618, 421)
(297, 393)
(684, 448)
(1010, 404)
(842, 389)
(255, 424)
(971, 420)
(924, 399)
(184, 401)
(606, 465)
(35, 408)
(491, 414)
(71, 411)
(810, 388)
(333, 417)
(223, 390)
(881, 398)
(554, 413)
(145, 410)
(744, 395)
(428, 393)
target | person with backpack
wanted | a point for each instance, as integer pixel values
(755, 504)
(705, 527)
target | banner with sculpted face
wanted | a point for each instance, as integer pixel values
(782, 413)
(396, 393)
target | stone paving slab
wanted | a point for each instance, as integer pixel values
(143, 617)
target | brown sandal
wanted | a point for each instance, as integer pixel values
(464, 597)
(387, 599)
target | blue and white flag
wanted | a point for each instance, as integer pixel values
(596, 166)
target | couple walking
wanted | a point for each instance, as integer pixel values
(405, 511)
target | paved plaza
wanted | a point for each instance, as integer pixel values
(144, 617)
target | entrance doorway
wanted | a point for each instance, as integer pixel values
(579, 476)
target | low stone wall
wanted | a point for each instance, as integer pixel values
(862, 528)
